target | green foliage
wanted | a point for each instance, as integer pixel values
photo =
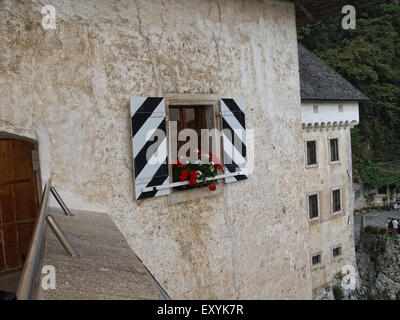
(369, 58)
(197, 171)
(338, 292)
(373, 175)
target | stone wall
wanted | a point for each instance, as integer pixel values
(378, 259)
(71, 86)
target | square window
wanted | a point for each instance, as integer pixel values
(340, 108)
(316, 259)
(336, 201)
(382, 190)
(313, 206)
(189, 117)
(334, 149)
(337, 252)
(311, 153)
(315, 108)
(195, 123)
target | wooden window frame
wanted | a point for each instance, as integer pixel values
(192, 100)
(200, 113)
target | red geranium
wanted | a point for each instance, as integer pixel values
(184, 175)
(180, 164)
(212, 187)
(193, 177)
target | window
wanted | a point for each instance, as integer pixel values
(311, 153)
(336, 201)
(316, 259)
(315, 108)
(382, 190)
(336, 252)
(334, 148)
(313, 206)
(154, 130)
(189, 117)
(340, 108)
(195, 117)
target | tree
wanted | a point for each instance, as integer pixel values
(369, 58)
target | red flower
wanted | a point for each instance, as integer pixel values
(193, 177)
(193, 174)
(212, 187)
(184, 175)
(180, 165)
(219, 166)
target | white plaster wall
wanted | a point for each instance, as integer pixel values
(329, 112)
(331, 230)
(251, 241)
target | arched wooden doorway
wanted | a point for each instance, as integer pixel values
(19, 201)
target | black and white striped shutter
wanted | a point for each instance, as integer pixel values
(234, 138)
(150, 156)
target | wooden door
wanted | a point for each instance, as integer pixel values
(19, 203)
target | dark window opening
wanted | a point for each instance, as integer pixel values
(382, 190)
(334, 150)
(316, 259)
(336, 203)
(336, 252)
(311, 153)
(313, 206)
(189, 117)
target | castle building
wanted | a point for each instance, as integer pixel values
(329, 109)
(86, 87)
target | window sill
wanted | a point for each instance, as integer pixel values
(318, 266)
(313, 219)
(334, 162)
(336, 213)
(181, 196)
(311, 166)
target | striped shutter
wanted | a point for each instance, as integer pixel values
(150, 156)
(234, 138)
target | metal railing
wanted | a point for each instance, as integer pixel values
(27, 282)
(60, 201)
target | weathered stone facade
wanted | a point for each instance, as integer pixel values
(69, 88)
(331, 230)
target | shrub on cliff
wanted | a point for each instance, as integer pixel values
(370, 229)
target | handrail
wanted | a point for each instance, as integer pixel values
(26, 282)
(60, 202)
